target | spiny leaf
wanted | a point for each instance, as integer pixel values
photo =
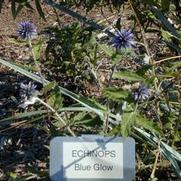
(49, 87)
(131, 119)
(56, 100)
(147, 124)
(143, 69)
(128, 76)
(86, 120)
(107, 50)
(115, 93)
(116, 57)
(128, 121)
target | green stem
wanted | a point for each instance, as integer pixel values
(35, 61)
(107, 106)
(56, 113)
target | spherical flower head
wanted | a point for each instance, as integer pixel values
(28, 94)
(27, 90)
(123, 39)
(27, 30)
(142, 93)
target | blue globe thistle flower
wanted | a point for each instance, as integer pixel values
(141, 93)
(123, 39)
(27, 30)
(27, 90)
(28, 94)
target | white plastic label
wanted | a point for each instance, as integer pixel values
(91, 160)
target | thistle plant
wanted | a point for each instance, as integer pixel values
(28, 31)
(123, 39)
(28, 94)
(142, 93)
(27, 90)
(126, 113)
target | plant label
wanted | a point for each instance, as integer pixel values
(92, 158)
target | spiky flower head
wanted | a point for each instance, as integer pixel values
(123, 39)
(27, 90)
(28, 94)
(27, 30)
(142, 93)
